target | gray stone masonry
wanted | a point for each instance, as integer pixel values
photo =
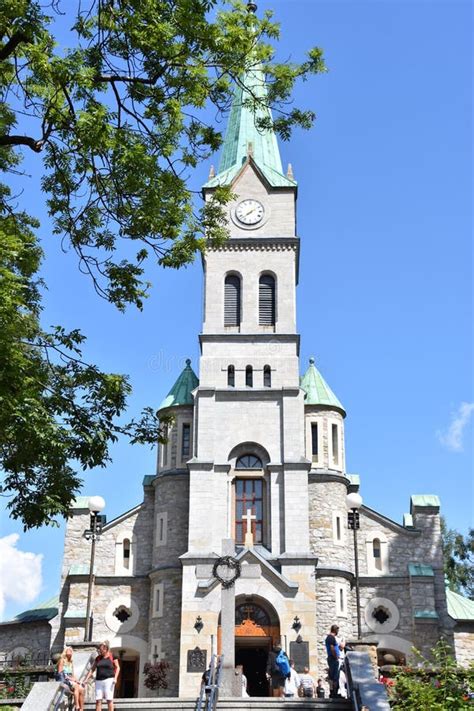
(166, 627)
(33, 636)
(171, 492)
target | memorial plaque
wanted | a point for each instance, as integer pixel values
(197, 659)
(299, 652)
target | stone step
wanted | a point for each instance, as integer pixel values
(232, 704)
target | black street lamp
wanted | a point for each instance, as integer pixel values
(353, 503)
(96, 504)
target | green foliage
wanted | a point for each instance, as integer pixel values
(458, 553)
(438, 683)
(117, 118)
(14, 686)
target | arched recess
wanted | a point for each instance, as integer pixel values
(391, 642)
(248, 448)
(256, 622)
(250, 494)
(133, 648)
(125, 545)
(232, 299)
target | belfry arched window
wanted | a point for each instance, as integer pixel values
(267, 376)
(232, 296)
(266, 300)
(249, 376)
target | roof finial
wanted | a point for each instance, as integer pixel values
(250, 149)
(289, 172)
(251, 7)
(212, 172)
(188, 361)
(311, 360)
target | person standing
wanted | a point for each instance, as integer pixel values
(274, 674)
(307, 684)
(292, 682)
(333, 652)
(106, 670)
(239, 669)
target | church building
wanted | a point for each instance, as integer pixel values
(255, 454)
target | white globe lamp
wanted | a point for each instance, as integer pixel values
(353, 501)
(96, 504)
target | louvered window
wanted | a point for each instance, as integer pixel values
(249, 376)
(232, 300)
(266, 302)
(267, 376)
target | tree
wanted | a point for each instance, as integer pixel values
(111, 97)
(438, 683)
(458, 553)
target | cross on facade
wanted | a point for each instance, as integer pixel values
(249, 517)
(231, 683)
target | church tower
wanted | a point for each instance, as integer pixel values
(248, 475)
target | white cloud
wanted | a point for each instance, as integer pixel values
(20, 573)
(452, 437)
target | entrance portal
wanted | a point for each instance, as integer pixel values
(257, 628)
(254, 661)
(127, 683)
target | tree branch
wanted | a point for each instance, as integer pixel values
(12, 44)
(35, 145)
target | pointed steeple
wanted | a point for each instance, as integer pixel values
(317, 390)
(181, 392)
(244, 139)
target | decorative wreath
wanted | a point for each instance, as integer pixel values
(230, 563)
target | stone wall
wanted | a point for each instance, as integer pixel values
(464, 642)
(30, 636)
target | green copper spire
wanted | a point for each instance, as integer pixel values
(244, 139)
(317, 390)
(180, 393)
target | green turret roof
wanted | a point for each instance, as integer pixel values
(317, 390)
(243, 138)
(181, 392)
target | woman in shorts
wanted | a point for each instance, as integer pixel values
(106, 670)
(66, 676)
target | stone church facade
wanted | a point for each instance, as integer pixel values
(256, 454)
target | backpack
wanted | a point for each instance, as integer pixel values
(282, 663)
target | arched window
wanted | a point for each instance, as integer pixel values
(249, 510)
(126, 553)
(267, 376)
(377, 553)
(248, 461)
(266, 300)
(249, 376)
(230, 376)
(232, 300)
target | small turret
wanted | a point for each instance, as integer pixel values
(324, 422)
(179, 403)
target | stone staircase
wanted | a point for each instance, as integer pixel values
(231, 704)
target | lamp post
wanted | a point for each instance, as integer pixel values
(353, 503)
(96, 504)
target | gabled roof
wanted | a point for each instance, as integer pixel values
(43, 611)
(181, 392)
(317, 390)
(459, 607)
(244, 138)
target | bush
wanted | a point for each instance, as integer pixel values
(437, 684)
(156, 675)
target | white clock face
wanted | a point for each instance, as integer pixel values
(249, 212)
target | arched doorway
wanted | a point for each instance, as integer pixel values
(257, 628)
(127, 683)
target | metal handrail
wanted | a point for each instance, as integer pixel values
(352, 691)
(209, 693)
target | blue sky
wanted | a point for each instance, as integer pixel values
(384, 301)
